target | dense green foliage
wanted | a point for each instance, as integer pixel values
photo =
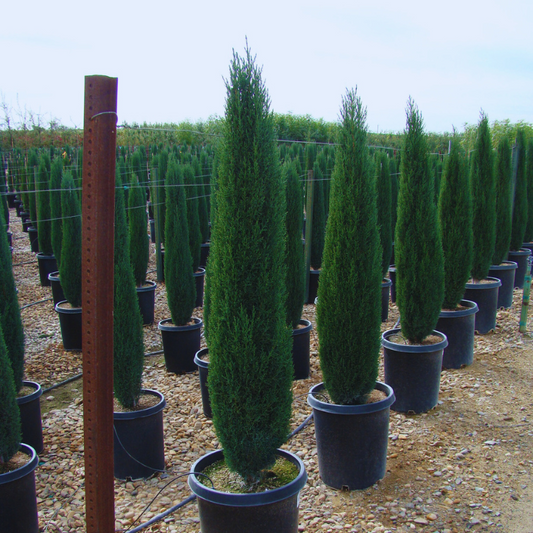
(137, 221)
(528, 237)
(128, 345)
(520, 206)
(56, 174)
(384, 209)
(180, 285)
(483, 187)
(349, 293)
(318, 233)
(44, 224)
(70, 265)
(455, 217)
(250, 369)
(503, 202)
(418, 248)
(193, 220)
(294, 250)
(203, 218)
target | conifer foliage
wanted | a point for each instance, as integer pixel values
(384, 209)
(138, 220)
(44, 224)
(528, 237)
(349, 293)
(250, 369)
(519, 224)
(56, 230)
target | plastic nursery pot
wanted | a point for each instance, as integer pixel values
(203, 373)
(351, 440)
(180, 343)
(459, 328)
(10, 238)
(70, 322)
(139, 449)
(30, 416)
(413, 371)
(301, 338)
(47, 265)
(57, 290)
(392, 276)
(204, 253)
(199, 278)
(18, 500)
(146, 297)
(385, 293)
(520, 257)
(262, 512)
(505, 272)
(314, 277)
(486, 296)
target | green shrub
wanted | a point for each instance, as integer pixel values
(519, 223)
(455, 217)
(418, 248)
(138, 221)
(318, 233)
(250, 369)
(384, 209)
(201, 201)
(349, 293)
(528, 237)
(193, 221)
(44, 224)
(56, 230)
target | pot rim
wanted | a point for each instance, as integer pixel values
(245, 500)
(386, 282)
(33, 395)
(198, 358)
(199, 272)
(143, 413)
(67, 310)
(504, 265)
(522, 251)
(472, 310)
(53, 276)
(495, 282)
(29, 467)
(152, 286)
(301, 331)
(412, 348)
(361, 409)
(43, 256)
(164, 325)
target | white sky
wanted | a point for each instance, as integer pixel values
(171, 58)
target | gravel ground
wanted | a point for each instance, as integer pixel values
(465, 465)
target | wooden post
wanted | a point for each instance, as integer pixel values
(98, 222)
(308, 229)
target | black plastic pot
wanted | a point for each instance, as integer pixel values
(18, 500)
(351, 440)
(385, 294)
(301, 338)
(34, 239)
(152, 230)
(10, 238)
(203, 372)
(19, 206)
(70, 322)
(392, 276)
(30, 416)
(528, 245)
(314, 276)
(505, 272)
(486, 296)
(57, 290)
(146, 297)
(262, 512)
(204, 253)
(180, 344)
(11, 197)
(47, 265)
(520, 258)
(26, 222)
(413, 371)
(199, 278)
(139, 448)
(459, 328)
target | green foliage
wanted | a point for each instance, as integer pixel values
(10, 428)
(528, 237)
(70, 265)
(180, 284)
(520, 206)
(128, 345)
(503, 202)
(193, 221)
(318, 233)
(56, 173)
(349, 293)
(138, 221)
(250, 369)
(3, 199)
(294, 250)
(455, 217)
(418, 248)
(203, 218)
(395, 188)
(384, 209)
(10, 319)
(483, 189)
(44, 224)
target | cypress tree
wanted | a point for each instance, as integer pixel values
(10, 428)
(483, 201)
(528, 237)
(519, 223)
(56, 230)
(138, 221)
(3, 198)
(349, 293)
(395, 188)
(294, 252)
(318, 233)
(250, 369)
(193, 221)
(503, 202)
(455, 218)
(418, 248)
(70, 265)
(180, 284)
(44, 224)
(203, 218)
(128, 345)
(384, 209)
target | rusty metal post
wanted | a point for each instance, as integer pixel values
(98, 221)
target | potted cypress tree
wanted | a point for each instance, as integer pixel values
(528, 237)
(483, 289)
(457, 318)
(138, 417)
(70, 265)
(181, 332)
(501, 269)
(413, 355)
(250, 372)
(140, 249)
(351, 410)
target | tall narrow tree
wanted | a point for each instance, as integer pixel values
(384, 209)
(528, 237)
(519, 223)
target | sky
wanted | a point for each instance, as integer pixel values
(171, 59)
